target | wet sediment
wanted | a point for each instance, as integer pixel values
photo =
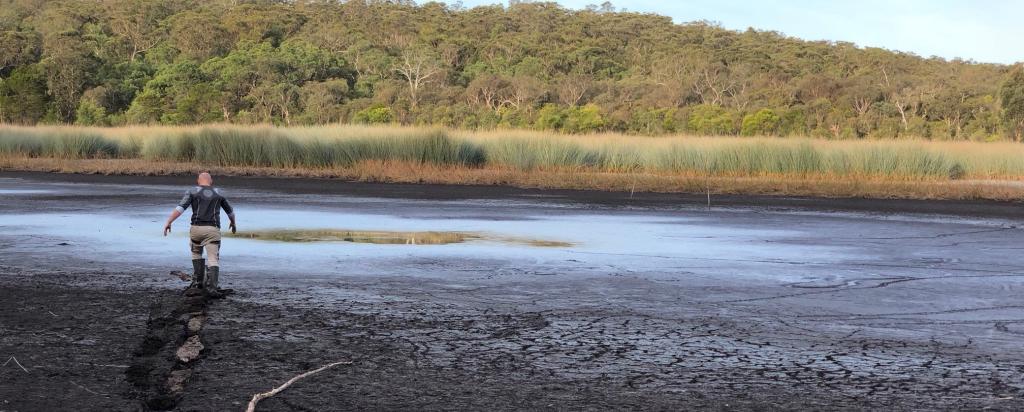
(162, 364)
(126, 349)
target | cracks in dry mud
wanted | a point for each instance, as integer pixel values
(652, 353)
(882, 283)
(936, 236)
(894, 314)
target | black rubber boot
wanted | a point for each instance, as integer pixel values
(198, 278)
(198, 273)
(213, 282)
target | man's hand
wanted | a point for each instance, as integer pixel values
(170, 219)
(233, 229)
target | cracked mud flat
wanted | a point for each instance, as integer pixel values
(799, 304)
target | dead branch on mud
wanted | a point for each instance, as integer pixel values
(88, 390)
(261, 396)
(15, 362)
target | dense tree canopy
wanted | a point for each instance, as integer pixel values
(527, 65)
(1012, 95)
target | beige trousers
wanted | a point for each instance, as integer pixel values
(205, 237)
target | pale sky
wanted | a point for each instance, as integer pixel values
(990, 31)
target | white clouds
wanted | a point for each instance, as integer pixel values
(981, 30)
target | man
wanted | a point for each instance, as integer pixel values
(206, 203)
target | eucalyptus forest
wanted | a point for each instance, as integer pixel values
(524, 65)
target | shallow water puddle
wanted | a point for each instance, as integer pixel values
(23, 191)
(381, 237)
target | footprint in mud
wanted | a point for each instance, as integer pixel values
(163, 361)
(190, 350)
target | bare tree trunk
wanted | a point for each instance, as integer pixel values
(417, 70)
(861, 105)
(897, 99)
(412, 93)
(903, 116)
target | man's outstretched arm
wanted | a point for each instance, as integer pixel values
(231, 214)
(182, 205)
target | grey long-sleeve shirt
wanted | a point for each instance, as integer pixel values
(206, 203)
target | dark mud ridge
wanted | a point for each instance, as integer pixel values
(162, 364)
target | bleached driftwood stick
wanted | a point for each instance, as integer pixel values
(261, 396)
(15, 362)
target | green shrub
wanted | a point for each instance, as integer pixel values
(583, 119)
(653, 121)
(91, 114)
(550, 117)
(712, 120)
(376, 114)
(762, 123)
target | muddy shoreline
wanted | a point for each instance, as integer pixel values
(971, 208)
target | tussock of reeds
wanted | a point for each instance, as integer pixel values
(348, 150)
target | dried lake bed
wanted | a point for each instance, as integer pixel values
(485, 298)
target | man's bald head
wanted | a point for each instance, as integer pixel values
(204, 179)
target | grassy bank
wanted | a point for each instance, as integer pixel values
(906, 168)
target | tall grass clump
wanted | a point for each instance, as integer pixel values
(718, 156)
(15, 142)
(763, 158)
(532, 154)
(267, 147)
(434, 147)
(70, 144)
(893, 162)
(326, 147)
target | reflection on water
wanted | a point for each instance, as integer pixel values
(359, 236)
(380, 237)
